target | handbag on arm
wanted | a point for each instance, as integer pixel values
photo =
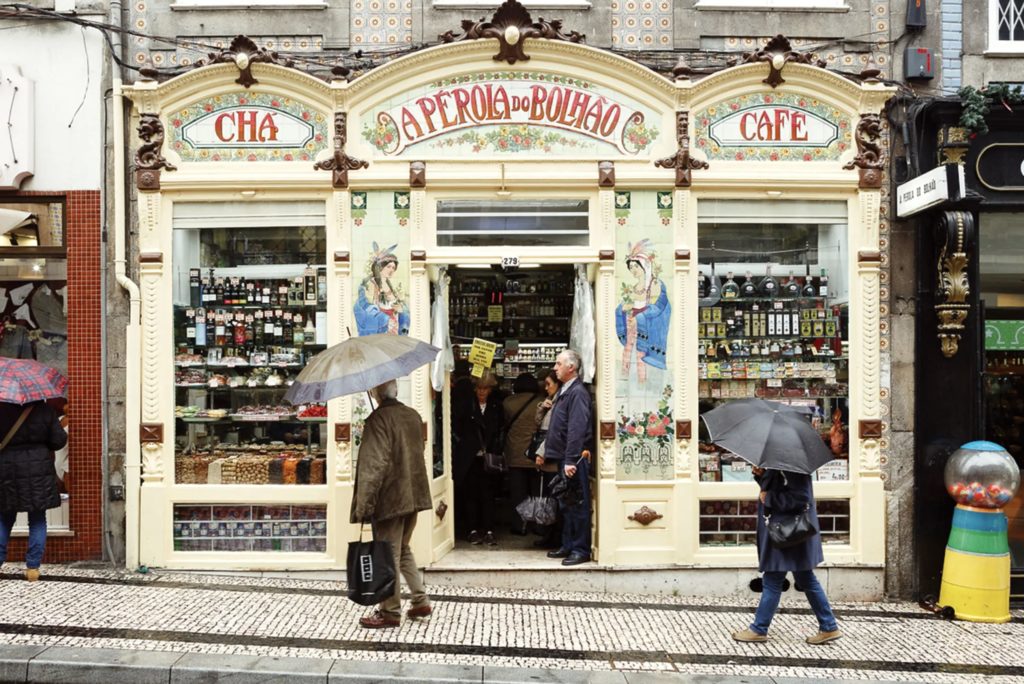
(786, 530)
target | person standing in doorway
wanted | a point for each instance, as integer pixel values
(523, 476)
(28, 482)
(478, 429)
(552, 534)
(569, 434)
(391, 487)
(782, 493)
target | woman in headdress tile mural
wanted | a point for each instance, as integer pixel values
(642, 317)
(380, 307)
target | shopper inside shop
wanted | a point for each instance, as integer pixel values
(477, 426)
(524, 478)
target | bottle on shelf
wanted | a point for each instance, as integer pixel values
(702, 285)
(791, 288)
(769, 286)
(748, 289)
(823, 283)
(309, 286)
(298, 331)
(809, 289)
(200, 327)
(309, 332)
(190, 326)
(195, 288)
(730, 290)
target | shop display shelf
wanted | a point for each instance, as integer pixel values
(312, 419)
(261, 417)
(199, 420)
(251, 307)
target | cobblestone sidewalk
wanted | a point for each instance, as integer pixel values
(311, 618)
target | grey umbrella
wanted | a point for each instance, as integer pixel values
(768, 434)
(358, 364)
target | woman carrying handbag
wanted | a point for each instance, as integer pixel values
(787, 513)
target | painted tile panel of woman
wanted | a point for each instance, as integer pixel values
(380, 306)
(642, 317)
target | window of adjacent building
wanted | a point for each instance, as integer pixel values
(536, 223)
(33, 299)
(1006, 25)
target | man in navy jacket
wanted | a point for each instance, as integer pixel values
(568, 435)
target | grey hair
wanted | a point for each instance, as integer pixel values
(386, 390)
(573, 358)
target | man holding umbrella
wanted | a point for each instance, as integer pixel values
(784, 449)
(391, 485)
(391, 488)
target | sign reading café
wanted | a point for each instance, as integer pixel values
(772, 127)
(510, 112)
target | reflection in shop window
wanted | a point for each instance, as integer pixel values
(34, 301)
(773, 317)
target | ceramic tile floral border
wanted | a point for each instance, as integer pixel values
(703, 121)
(180, 119)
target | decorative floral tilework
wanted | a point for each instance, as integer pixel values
(381, 22)
(642, 24)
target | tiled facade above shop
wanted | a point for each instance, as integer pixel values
(642, 24)
(381, 23)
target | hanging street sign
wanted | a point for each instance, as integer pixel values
(941, 184)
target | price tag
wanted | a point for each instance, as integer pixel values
(774, 382)
(509, 262)
(482, 352)
(495, 313)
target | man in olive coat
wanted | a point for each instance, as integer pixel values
(391, 488)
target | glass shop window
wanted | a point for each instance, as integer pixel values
(250, 308)
(532, 223)
(33, 299)
(772, 319)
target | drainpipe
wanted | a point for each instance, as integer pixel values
(133, 383)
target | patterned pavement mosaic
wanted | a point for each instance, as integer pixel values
(308, 617)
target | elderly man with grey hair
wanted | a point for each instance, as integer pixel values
(569, 435)
(391, 488)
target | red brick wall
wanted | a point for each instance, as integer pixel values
(85, 357)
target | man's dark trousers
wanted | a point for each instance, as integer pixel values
(576, 519)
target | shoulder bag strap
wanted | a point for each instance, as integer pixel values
(17, 425)
(519, 413)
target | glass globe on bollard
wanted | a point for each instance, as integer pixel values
(982, 478)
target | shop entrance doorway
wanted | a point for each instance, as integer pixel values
(526, 312)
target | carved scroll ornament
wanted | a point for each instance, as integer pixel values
(645, 516)
(778, 53)
(681, 160)
(243, 53)
(340, 163)
(953, 287)
(512, 25)
(870, 159)
(148, 160)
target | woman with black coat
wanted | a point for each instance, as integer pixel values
(28, 481)
(477, 425)
(785, 493)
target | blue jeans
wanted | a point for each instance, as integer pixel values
(772, 592)
(576, 519)
(36, 536)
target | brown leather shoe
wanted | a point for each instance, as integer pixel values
(32, 574)
(419, 611)
(378, 621)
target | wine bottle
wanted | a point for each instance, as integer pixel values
(748, 289)
(309, 286)
(200, 327)
(809, 290)
(823, 283)
(730, 290)
(298, 331)
(768, 286)
(190, 326)
(195, 291)
(791, 288)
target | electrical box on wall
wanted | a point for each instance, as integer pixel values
(917, 18)
(917, 63)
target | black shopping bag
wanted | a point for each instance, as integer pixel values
(371, 571)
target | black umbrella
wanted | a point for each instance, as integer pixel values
(768, 434)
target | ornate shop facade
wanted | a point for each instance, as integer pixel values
(726, 229)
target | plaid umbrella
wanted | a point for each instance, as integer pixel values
(23, 381)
